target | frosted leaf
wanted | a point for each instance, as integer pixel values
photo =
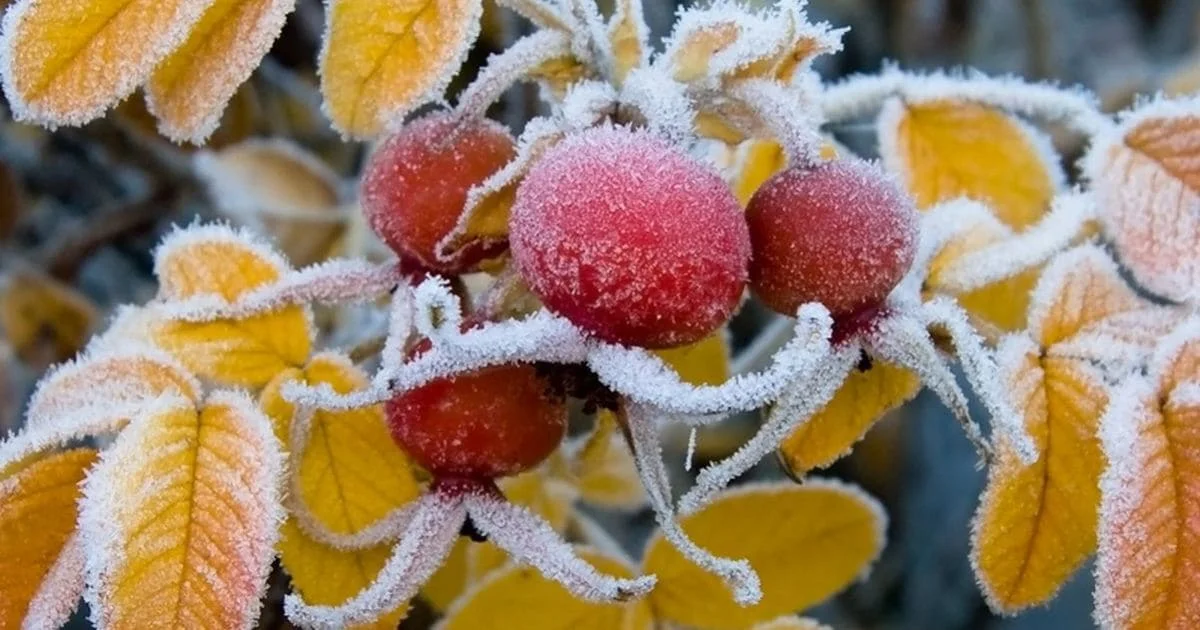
(1078, 287)
(788, 113)
(387, 528)
(546, 15)
(60, 590)
(902, 339)
(539, 135)
(1145, 178)
(505, 69)
(629, 37)
(1120, 345)
(531, 540)
(662, 102)
(331, 282)
(803, 399)
(178, 260)
(97, 394)
(590, 40)
(982, 372)
(715, 42)
(861, 94)
(738, 575)
(423, 546)
(1010, 256)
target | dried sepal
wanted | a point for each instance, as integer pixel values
(522, 59)
(1147, 187)
(543, 13)
(485, 215)
(629, 37)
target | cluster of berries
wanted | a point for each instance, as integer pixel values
(635, 243)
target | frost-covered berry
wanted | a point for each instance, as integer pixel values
(630, 239)
(479, 425)
(841, 233)
(415, 185)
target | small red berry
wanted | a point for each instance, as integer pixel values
(840, 233)
(485, 424)
(630, 239)
(414, 186)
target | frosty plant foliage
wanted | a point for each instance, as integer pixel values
(615, 249)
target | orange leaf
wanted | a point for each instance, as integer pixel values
(190, 88)
(949, 149)
(46, 321)
(180, 518)
(1148, 573)
(863, 398)
(37, 516)
(1148, 186)
(65, 63)
(383, 58)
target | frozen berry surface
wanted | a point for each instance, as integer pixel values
(415, 185)
(631, 239)
(485, 424)
(841, 233)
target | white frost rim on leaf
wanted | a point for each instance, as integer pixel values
(61, 588)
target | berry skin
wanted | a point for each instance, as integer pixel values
(630, 239)
(841, 233)
(479, 425)
(414, 186)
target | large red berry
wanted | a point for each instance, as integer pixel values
(630, 239)
(841, 233)
(481, 425)
(415, 185)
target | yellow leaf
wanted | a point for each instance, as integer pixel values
(791, 623)
(628, 35)
(604, 471)
(219, 262)
(180, 518)
(1037, 523)
(547, 497)
(754, 162)
(190, 88)
(806, 543)
(862, 400)
(280, 187)
(949, 149)
(70, 61)
(37, 516)
(350, 475)
(1147, 185)
(45, 320)
(383, 58)
(1148, 571)
(520, 597)
(1081, 287)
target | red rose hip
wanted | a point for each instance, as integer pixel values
(414, 186)
(631, 239)
(841, 233)
(479, 425)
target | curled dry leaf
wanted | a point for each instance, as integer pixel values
(946, 149)
(37, 517)
(102, 50)
(1148, 570)
(381, 59)
(189, 89)
(280, 188)
(1036, 522)
(1148, 185)
(44, 320)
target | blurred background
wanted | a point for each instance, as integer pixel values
(82, 208)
